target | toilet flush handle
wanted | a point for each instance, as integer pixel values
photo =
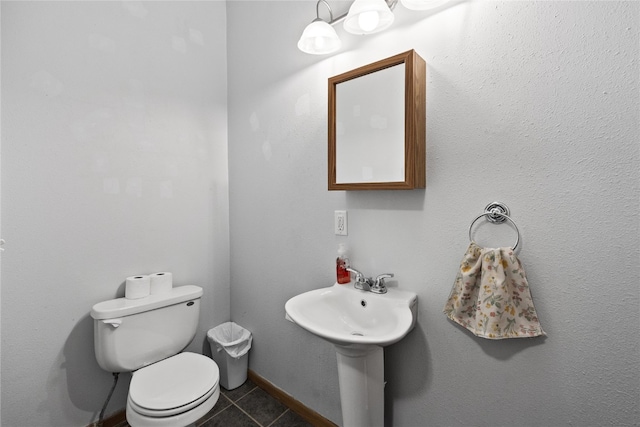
(113, 322)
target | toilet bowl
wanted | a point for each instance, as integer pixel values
(147, 336)
(176, 391)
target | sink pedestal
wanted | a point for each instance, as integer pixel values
(361, 378)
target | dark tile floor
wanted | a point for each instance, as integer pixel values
(249, 406)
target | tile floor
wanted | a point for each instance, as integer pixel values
(248, 406)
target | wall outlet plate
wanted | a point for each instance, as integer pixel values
(340, 223)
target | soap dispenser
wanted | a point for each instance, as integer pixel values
(342, 262)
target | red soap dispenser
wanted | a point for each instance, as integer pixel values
(342, 262)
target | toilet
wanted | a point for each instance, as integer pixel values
(146, 336)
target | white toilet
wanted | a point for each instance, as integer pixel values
(145, 336)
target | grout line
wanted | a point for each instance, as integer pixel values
(244, 395)
(219, 412)
(231, 403)
(308, 414)
(249, 415)
(246, 413)
(278, 417)
(234, 403)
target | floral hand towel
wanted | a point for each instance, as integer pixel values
(491, 297)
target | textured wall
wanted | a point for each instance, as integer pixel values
(114, 163)
(532, 103)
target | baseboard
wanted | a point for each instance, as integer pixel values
(305, 412)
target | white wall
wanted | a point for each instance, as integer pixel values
(114, 144)
(531, 103)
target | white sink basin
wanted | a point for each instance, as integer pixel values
(346, 316)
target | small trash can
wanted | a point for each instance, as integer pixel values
(230, 344)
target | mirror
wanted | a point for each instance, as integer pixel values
(377, 118)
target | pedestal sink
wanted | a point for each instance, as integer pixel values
(359, 324)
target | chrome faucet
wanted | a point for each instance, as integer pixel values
(362, 282)
(368, 284)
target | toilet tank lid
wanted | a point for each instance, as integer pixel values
(120, 307)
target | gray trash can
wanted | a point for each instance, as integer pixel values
(230, 344)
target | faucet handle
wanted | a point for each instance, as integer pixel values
(379, 286)
(380, 278)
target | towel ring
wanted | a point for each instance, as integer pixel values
(496, 212)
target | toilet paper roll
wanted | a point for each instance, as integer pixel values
(161, 283)
(137, 287)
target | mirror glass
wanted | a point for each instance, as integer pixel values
(377, 125)
(370, 129)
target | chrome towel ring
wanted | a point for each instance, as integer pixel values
(496, 213)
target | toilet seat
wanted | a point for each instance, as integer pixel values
(173, 385)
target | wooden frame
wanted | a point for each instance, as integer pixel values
(414, 123)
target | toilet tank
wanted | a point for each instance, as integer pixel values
(132, 333)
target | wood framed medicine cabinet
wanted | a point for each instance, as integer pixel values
(377, 119)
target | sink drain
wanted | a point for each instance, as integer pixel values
(359, 334)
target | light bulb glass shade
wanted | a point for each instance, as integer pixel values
(422, 4)
(368, 16)
(319, 38)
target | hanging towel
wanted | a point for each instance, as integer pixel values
(491, 297)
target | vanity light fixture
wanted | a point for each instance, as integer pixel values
(319, 37)
(364, 17)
